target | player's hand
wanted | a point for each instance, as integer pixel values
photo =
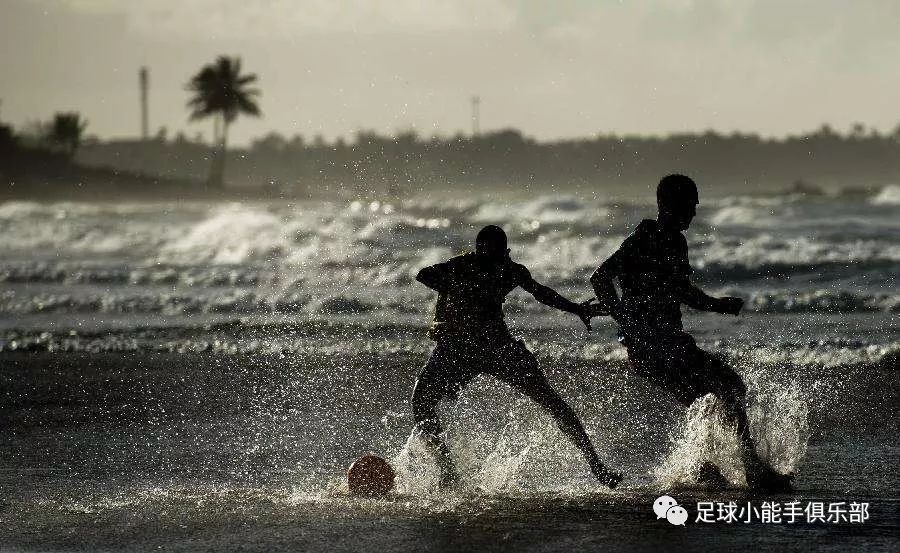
(586, 310)
(730, 305)
(595, 309)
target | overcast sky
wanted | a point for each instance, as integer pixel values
(552, 68)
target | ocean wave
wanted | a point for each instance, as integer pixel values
(36, 239)
(236, 301)
(20, 209)
(366, 270)
(556, 234)
(314, 300)
(353, 339)
(889, 195)
(823, 301)
(742, 215)
(340, 304)
(289, 258)
(543, 210)
(79, 273)
(230, 235)
(23, 209)
(766, 251)
(189, 302)
(872, 271)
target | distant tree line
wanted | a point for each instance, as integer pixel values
(64, 133)
(406, 164)
(38, 162)
(43, 153)
(45, 147)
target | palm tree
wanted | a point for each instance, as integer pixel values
(220, 91)
(66, 131)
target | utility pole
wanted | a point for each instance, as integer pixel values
(144, 78)
(476, 115)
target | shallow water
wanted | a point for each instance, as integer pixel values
(199, 376)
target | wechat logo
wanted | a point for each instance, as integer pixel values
(666, 507)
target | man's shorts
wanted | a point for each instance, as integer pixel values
(454, 363)
(676, 364)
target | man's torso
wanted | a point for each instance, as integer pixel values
(654, 259)
(472, 303)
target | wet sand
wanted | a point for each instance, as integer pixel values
(139, 452)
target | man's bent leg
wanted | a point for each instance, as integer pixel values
(728, 386)
(520, 370)
(439, 378)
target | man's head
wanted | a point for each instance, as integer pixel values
(676, 197)
(491, 242)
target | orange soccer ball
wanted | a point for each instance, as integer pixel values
(370, 475)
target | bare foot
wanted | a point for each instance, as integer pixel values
(769, 480)
(608, 478)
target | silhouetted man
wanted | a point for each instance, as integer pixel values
(472, 338)
(654, 274)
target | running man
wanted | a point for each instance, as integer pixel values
(472, 338)
(653, 272)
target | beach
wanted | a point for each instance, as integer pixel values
(198, 376)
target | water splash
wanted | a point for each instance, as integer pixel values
(703, 436)
(518, 451)
(778, 415)
(779, 420)
(417, 472)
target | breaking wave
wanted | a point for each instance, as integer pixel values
(889, 195)
(245, 297)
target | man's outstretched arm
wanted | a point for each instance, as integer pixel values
(549, 296)
(698, 299)
(435, 277)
